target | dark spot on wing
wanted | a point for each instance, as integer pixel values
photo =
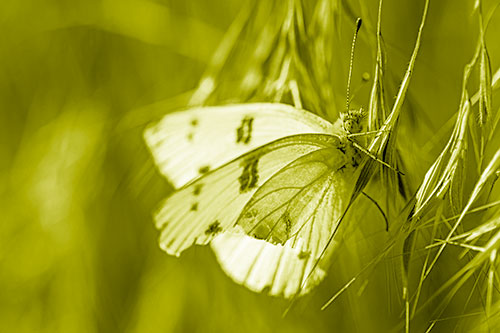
(194, 122)
(204, 169)
(213, 228)
(275, 230)
(251, 214)
(258, 236)
(244, 132)
(246, 217)
(190, 136)
(288, 224)
(304, 255)
(197, 189)
(250, 176)
(194, 207)
(266, 232)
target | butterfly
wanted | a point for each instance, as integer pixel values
(265, 184)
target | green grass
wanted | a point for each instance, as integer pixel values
(78, 248)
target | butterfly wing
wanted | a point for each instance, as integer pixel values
(282, 233)
(189, 143)
(212, 203)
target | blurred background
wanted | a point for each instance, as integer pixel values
(80, 80)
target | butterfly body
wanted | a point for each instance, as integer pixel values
(275, 182)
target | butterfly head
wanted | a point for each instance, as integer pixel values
(352, 121)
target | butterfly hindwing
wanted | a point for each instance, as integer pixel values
(264, 267)
(284, 229)
(189, 143)
(212, 203)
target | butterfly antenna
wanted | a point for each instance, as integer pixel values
(348, 98)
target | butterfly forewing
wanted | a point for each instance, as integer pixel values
(268, 214)
(212, 203)
(188, 144)
(286, 226)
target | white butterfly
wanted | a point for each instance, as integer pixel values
(264, 184)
